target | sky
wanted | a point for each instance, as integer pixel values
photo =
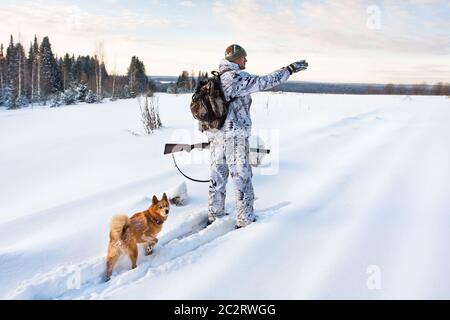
(346, 41)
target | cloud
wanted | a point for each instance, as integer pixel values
(187, 3)
(337, 25)
(338, 39)
(73, 29)
(333, 36)
(72, 18)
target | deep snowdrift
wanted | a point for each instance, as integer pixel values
(353, 201)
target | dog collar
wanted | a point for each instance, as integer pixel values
(158, 222)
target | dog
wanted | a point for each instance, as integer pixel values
(143, 227)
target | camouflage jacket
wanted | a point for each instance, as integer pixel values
(239, 84)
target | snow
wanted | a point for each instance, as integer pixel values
(352, 202)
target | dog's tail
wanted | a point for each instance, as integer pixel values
(119, 225)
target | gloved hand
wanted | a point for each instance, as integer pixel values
(297, 66)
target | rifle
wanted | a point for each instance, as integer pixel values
(171, 148)
(177, 147)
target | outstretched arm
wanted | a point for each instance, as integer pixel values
(245, 83)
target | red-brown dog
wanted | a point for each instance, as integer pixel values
(143, 227)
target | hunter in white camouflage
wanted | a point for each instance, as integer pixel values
(229, 145)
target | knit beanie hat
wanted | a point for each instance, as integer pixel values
(234, 51)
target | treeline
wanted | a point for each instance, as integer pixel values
(359, 88)
(186, 83)
(40, 77)
(439, 89)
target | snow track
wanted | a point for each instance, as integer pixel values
(176, 248)
(77, 278)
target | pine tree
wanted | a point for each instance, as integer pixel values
(12, 72)
(2, 76)
(34, 67)
(10, 98)
(29, 74)
(97, 74)
(90, 97)
(91, 72)
(192, 81)
(73, 70)
(127, 92)
(56, 100)
(69, 96)
(138, 81)
(22, 71)
(103, 74)
(132, 77)
(66, 68)
(81, 90)
(49, 73)
(184, 83)
(113, 97)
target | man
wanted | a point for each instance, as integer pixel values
(229, 145)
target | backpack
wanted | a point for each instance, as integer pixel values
(208, 104)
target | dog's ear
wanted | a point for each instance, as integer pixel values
(154, 200)
(164, 196)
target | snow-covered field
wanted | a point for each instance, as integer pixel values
(353, 202)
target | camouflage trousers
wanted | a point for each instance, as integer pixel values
(230, 155)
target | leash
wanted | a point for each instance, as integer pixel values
(186, 176)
